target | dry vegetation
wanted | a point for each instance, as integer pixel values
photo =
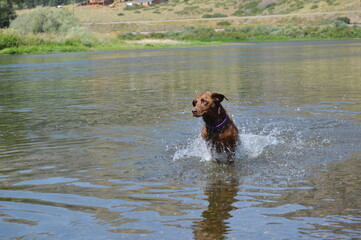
(175, 14)
(189, 9)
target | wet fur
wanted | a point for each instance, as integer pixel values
(223, 139)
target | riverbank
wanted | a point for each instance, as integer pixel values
(177, 24)
(12, 42)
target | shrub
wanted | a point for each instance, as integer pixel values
(271, 5)
(157, 35)
(340, 24)
(120, 14)
(45, 20)
(82, 36)
(197, 33)
(72, 42)
(8, 40)
(314, 6)
(134, 7)
(239, 13)
(330, 2)
(192, 10)
(292, 31)
(344, 19)
(34, 40)
(224, 23)
(130, 36)
(230, 36)
(261, 30)
(216, 15)
(251, 7)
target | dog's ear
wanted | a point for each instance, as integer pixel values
(217, 97)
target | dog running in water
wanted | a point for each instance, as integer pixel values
(219, 130)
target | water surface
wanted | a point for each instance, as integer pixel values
(102, 145)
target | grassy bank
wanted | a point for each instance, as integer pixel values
(49, 30)
(339, 29)
(46, 30)
(14, 43)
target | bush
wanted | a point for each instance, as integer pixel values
(156, 35)
(340, 25)
(230, 36)
(344, 20)
(45, 20)
(216, 15)
(33, 40)
(8, 40)
(72, 42)
(197, 33)
(82, 36)
(134, 7)
(193, 10)
(130, 36)
(271, 5)
(224, 23)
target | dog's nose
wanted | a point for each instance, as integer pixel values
(194, 111)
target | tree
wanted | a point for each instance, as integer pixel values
(7, 13)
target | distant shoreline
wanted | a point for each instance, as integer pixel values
(133, 35)
(138, 45)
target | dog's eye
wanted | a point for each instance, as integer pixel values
(194, 103)
(204, 102)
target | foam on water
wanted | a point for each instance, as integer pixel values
(195, 148)
(251, 146)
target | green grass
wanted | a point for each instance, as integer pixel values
(336, 30)
(42, 49)
(11, 43)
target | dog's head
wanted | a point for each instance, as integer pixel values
(206, 103)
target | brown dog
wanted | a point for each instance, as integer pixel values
(219, 130)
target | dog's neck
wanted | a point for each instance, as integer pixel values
(216, 117)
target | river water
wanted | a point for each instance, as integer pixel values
(103, 145)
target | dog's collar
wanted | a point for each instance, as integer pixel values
(219, 125)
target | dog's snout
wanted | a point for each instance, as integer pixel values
(194, 110)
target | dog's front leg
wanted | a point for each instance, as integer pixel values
(231, 157)
(231, 154)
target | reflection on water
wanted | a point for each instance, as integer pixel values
(220, 196)
(102, 145)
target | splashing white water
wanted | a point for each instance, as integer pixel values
(254, 145)
(195, 148)
(251, 146)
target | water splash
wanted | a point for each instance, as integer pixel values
(254, 144)
(195, 148)
(251, 146)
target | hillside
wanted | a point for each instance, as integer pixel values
(182, 22)
(191, 9)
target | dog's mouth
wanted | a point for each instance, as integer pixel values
(196, 114)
